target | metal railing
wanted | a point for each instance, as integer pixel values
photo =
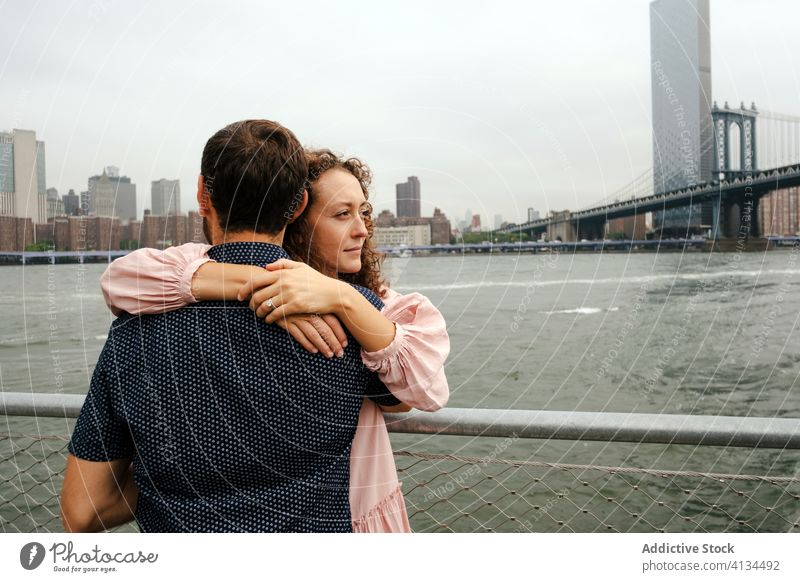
(463, 493)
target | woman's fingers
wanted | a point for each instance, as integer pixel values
(263, 279)
(327, 334)
(314, 336)
(279, 312)
(337, 328)
(299, 335)
(260, 301)
(283, 264)
(315, 333)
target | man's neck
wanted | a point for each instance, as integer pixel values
(231, 237)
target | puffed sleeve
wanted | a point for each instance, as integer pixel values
(412, 366)
(153, 281)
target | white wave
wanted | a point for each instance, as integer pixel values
(577, 310)
(636, 280)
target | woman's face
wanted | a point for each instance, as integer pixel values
(336, 219)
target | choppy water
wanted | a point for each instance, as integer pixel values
(687, 333)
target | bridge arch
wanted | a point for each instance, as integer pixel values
(735, 140)
(734, 153)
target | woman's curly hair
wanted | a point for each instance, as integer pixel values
(299, 234)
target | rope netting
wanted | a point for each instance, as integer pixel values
(477, 494)
(454, 493)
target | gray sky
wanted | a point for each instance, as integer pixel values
(495, 106)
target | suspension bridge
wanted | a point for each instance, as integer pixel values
(747, 165)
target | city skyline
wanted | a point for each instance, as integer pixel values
(476, 130)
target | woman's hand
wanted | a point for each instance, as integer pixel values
(292, 288)
(316, 333)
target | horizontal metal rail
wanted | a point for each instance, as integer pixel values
(730, 431)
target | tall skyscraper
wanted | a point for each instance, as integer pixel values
(22, 176)
(533, 215)
(165, 197)
(680, 69)
(55, 206)
(112, 195)
(72, 203)
(408, 198)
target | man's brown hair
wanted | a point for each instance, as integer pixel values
(254, 172)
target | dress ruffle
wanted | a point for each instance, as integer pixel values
(388, 516)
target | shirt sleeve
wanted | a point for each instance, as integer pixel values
(412, 366)
(376, 389)
(100, 433)
(153, 281)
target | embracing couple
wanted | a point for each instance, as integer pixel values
(242, 386)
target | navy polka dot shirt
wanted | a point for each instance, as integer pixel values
(231, 424)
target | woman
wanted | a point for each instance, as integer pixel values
(406, 344)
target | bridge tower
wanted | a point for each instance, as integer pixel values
(744, 121)
(735, 156)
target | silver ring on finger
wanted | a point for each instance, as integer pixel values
(270, 304)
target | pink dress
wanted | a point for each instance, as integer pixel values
(411, 367)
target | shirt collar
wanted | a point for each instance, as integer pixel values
(247, 253)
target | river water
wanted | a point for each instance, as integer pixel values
(677, 333)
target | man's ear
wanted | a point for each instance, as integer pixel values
(202, 197)
(300, 207)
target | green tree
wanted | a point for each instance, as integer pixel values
(41, 246)
(128, 245)
(471, 238)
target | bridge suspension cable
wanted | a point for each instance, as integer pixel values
(777, 145)
(642, 185)
(777, 139)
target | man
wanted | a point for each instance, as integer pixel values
(229, 424)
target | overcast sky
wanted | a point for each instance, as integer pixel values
(496, 106)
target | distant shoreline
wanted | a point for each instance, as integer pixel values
(501, 249)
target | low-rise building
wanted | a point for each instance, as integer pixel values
(439, 224)
(412, 235)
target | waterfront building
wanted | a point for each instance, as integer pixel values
(779, 213)
(87, 233)
(632, 227)
(22, 176)
(71, 203)
(408, 198)
(55, 206)
(111, 195)
(16, 233)
(475, 224)
(412, 235)
(160, 232)
(165, 197)
(680, 74)
(438, 224)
